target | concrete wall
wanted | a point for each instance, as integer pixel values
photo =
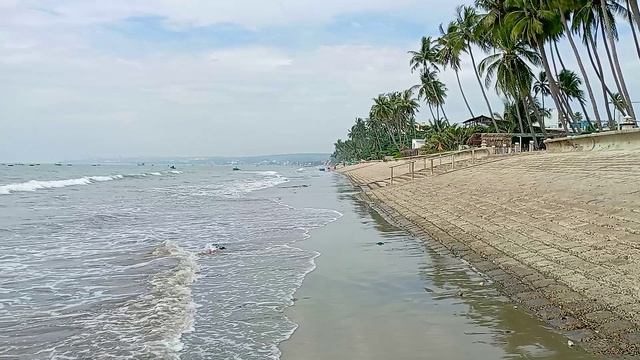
(610, 140)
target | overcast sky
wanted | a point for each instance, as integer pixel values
(85, 79)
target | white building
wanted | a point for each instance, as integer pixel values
(417, 143)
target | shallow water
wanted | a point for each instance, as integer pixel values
(402, 300)
(105, 262)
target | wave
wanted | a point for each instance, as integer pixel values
(239, 188)
(33, 185)
(169, 310)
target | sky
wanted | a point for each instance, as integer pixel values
(83, 79)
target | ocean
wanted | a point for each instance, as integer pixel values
(109, 261)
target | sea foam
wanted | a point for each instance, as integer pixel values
(33, 185)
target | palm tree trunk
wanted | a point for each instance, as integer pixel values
(518, 112)
(464, 97)
(611, 66)
(555, 45)
(572, 115)
(431, 111)
(393, 138)
(516, 103)
(484, 94)
(531, 128)
(553, 86)
(538, 115)
(553, 59)
(586, 114)
(633, 5)
(597, 67)
(444, 114)
(616, 61)
(633, 29)
(587, 83)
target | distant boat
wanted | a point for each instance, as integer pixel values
(236, 169)
(321, 169)
(57, 164)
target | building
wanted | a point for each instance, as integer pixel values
(417, 143)
(478, 120)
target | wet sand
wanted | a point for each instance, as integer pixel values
(557, 231)
(405, 299)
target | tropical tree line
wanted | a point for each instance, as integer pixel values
(513, 47)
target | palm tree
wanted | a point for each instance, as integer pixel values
(563, 16)
(433, 92)
(609, 29)
(467, 26)
(585, 20)
(571, 89)
(425, 60)
(534, 22)
(541, 86)
(426, 57)
(451, 47)
(635, 11)
(513, 76)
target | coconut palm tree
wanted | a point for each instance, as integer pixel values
(571, 89)
(610, 35)
(566, 8)
(468, 30)
(509, 65)
(541, 86)
(426, 57)
(536, 23)
(585, 21)
(450, 50)
(433, 92)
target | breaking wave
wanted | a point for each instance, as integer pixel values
(33, 185)
(169, 310)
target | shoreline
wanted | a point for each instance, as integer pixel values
(584, 321)
(380, 293)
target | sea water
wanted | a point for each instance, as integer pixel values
(108, 261)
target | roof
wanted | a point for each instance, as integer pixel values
(481, 119)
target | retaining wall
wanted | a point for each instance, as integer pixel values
(610, 140)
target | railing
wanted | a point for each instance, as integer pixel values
(450, 155)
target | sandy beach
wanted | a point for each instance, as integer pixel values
(557, 232)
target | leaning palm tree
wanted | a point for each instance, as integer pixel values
(586, 21)
(433, 92)
(610, 35)
(566, 8)
(536, 23)
(509, 65)
(467, 27)
(450, 50)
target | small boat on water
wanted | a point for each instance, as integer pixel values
(236, 169)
